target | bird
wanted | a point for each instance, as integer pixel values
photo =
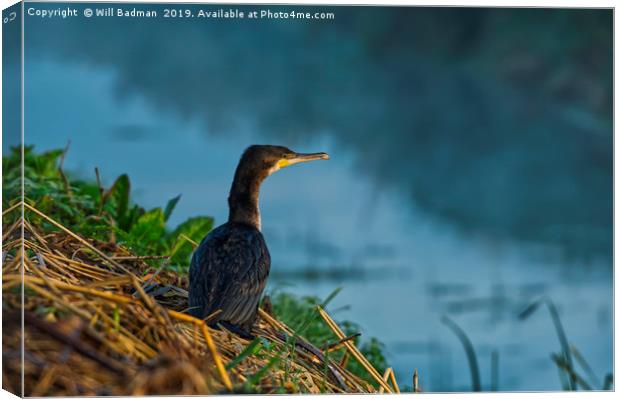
(229, 268)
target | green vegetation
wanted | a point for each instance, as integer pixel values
(469, 351)
(101, 214)
(108, 215)
(301, 316)
(570, 377)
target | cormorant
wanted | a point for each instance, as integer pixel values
(229, 268)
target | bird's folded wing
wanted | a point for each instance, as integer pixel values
(231, 275)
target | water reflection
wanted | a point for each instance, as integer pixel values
(469, 175)
(455, 114)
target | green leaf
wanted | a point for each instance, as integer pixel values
(118, 196)
(330, 297)
(563, 365)
(252, 349)
(312, 316)
(255, 379)
(527, 312)
(170, 206)
(148, 229)
(186, 235)
(469, 351)
(585, 366)
(194, 228)
(45, 164)
(132, 217)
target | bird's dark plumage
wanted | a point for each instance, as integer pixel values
(228, 272)
(229, 269)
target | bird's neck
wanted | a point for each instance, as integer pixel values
(243, 198)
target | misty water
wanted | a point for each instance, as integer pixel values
(460, 199)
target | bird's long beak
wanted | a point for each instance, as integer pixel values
(309, 157)
(298, 158)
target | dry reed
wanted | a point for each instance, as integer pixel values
(100, 320)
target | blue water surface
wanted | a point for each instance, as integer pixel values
(465, 180)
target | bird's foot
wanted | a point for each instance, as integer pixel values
(235, 329)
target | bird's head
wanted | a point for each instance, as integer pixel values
(264, 160)
(258, 162)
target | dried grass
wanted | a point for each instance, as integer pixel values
(100, 320)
